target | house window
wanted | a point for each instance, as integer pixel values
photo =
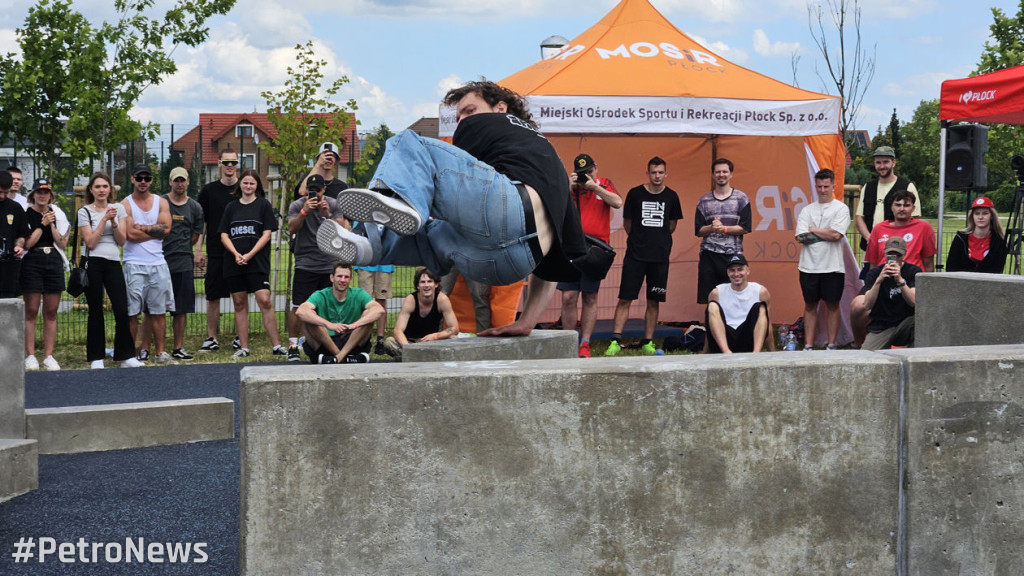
(243, 131)
(248, 161)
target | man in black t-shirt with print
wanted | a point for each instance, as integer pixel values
(649, 217)
(890, 295)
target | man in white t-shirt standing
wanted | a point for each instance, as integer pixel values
(737, 312)
(821, 229)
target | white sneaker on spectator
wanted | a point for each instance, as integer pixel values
(164, 358)
(96, 365)
(50, 363)
(31, 363)
(132, 362)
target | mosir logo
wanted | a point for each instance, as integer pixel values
(643, 50)
(972, 96)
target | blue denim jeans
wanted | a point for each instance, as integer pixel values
(473, 216)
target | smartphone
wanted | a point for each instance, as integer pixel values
(891, 257)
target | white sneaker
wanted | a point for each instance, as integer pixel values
(132, 362)
(350, 248)
(96, 365)
(50, 364)
(370, 206)
(164, 358)
(31, 363)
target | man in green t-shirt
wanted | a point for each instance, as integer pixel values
(337, 321)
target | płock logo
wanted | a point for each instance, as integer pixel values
(971, 96)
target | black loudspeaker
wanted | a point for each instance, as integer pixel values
(966, 145)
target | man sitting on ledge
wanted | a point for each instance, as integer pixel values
(495, 204)
(737, 312)
(890, 296)
(421, 315)
(337, 321)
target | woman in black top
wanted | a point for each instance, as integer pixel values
(42, 271)
(981, 246)
(245, 231)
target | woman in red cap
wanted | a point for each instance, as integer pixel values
(981, 247)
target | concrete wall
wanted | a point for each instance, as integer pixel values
(12, 376)
(539, 345)
(965, 460)
(969, 309)
(781, 464)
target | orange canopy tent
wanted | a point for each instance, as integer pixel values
(633, 87)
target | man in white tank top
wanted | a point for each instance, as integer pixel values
(737, 313)
(145, 270)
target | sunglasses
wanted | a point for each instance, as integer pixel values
(143, 178)
(229, 162)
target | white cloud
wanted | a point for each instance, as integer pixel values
(446, 84)
(915, 84)
(735, 55)
(765, 47)
(9, 42)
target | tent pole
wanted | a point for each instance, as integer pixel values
(942, 188)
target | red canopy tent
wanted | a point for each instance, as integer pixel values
(996, 97)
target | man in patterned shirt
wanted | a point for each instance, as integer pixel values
(722, 218)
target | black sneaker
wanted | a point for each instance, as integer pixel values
(143, 355)
(279, 351)
(236, 343)
(360, 358)
(326, 359)
(379, 349)
(181, 354)
(209, 345)
(293, 354)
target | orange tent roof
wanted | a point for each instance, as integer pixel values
(634, 51)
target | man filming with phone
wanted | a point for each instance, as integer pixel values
(890, 297)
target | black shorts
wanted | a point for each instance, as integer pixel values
(248, 283)
(304, 283)
(339, 341)
(712, 270)
(216, 287)
(184, 286)
(635, 272)
(42, 272)
(827, 286)
(741, 338)
(10, 278)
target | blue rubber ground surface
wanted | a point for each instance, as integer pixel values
(171, 494)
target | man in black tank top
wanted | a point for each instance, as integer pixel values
(421, 315)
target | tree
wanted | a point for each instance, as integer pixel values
(919, 154)
(304, 115)
(1007, 48)
(74, 87)
(849, 68)
(371, 155)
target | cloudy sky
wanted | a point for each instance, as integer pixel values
(402, 55)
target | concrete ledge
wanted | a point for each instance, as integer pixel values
(12, 376)
(539, 345)
(19, 468)
(752, 464)
(968, 309)
(134, 425)
(965, 459)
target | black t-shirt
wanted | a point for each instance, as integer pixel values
(214, 197)
(13, 224)
(890, 308)
(521, 153)
(650, 215)
(334, 187)
(244, 224)
(35, 220)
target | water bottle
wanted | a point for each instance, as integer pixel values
(783, 336)
(790, 342)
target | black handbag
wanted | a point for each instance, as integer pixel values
(598, 260)
(78, 281)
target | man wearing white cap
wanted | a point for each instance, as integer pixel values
(327, 158)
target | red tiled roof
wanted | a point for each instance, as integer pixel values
(214, 126)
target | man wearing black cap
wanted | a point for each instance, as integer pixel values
(312, 267)
(890, 295)
(594, 199)
(13, 232)
(327, 158)
(737, 313)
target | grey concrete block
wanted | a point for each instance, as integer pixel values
(751, 464)
(965, 460)
(12, 376)
(539, 345)
(133, 425)
(968, 309)
(19, 468)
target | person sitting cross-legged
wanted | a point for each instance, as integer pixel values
(737, 312)
(337, 321)
(421, 315)
(890, 298)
